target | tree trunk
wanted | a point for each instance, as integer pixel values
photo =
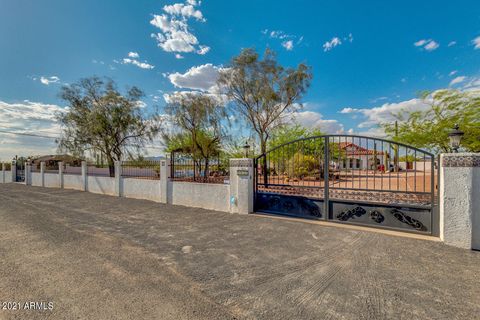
(205, 171)
(111, 167)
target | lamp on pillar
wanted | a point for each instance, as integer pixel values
(455, 137)
(246, 147)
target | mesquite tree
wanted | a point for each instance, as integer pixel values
(200, 117)
(100, 119)
(263, 91)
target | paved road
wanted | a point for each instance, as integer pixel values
(101, 257)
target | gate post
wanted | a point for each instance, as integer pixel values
(28, 173)
(241, 185)
(13, 171)
(460, 199)
(60, 174)
(42, 172)
(84, 176)
(165, 173)
(3, 172)
(118, 178)
(326, 176)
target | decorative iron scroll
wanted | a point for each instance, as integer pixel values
(402, 217)
(345, 215)
(290, 205)
(377, 216)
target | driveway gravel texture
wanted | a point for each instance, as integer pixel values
(103, 257)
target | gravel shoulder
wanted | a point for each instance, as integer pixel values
(102, 257)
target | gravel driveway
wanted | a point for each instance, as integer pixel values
(101, 257)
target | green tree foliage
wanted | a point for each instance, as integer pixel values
(429, 129)
(288, 133)
(199, 118)
(263, 91)
(102, 120)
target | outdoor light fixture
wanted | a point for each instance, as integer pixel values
(455, 137)
(246, 147)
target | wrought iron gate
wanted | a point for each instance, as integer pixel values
(350, 179)
(20, 170)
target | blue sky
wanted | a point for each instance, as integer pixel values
(369, 59)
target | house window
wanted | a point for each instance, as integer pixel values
(351, 163)
(358, 164)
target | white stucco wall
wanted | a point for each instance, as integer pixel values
(201, 195)
(141, 189)
(36, 179)
(6, 177)
(102, 185)
(476, 209)
(72, 181)
(52, 180)
(460, 202)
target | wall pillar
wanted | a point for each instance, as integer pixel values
(241, 185)
(42, 173)
(118, 178)
(164, 179)
(60, 174)
(460, 200)
(3, 172)
(84, 176)
(28, 174)
(13, 171)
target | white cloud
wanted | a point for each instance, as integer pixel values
(386, 112)
(312, 119)
(420, 43)
(203, 77)
(133, 60)
(183, 10)
(142, 65)
(452, 43)
(427, 44)
(457, 80)
(473, 83)
(175, 35)
(278, 34)
(452, 73)
(287, 40)
(200, 79)
(432, 45)
(476, 42)
(179, 56)
(47, 80)
(288, 45)
(175, 95)
(329, 45)
(203, 50)
(32, 118)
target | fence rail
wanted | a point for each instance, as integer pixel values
(100, 170)
(145, 169)
(72, 168)
(51, 168)
(184, 167)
